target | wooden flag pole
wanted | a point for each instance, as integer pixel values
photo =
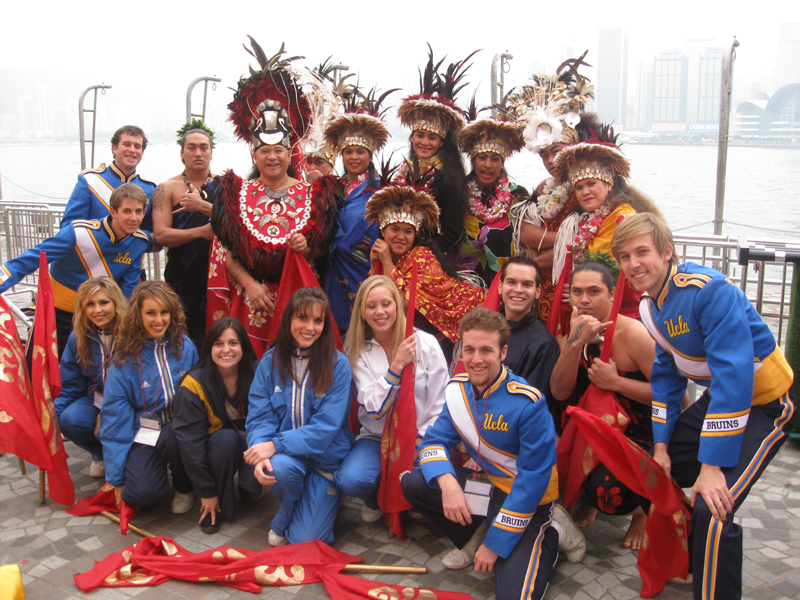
(112, 517)
(360, 568)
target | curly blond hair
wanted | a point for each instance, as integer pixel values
(81, 325)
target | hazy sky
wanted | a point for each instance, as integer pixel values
(150, 50)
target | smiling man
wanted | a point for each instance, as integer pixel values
(532, 350)
(111, 247)
(182, 223)
(507, 429)
(90, 199)
(706, 329)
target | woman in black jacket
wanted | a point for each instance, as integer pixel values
(210, 411)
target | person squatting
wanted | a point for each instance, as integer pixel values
(242, 379)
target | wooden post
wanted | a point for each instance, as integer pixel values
(42, 475)
(22, 468)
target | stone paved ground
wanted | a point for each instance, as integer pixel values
(50, 546)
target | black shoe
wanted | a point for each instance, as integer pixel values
(206, 525)
(249, 497)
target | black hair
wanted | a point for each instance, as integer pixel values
(525, 260)
(603, 269)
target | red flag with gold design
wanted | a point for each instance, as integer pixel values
(665, 548)
(28, 420)
(347, 587)
(399, 441)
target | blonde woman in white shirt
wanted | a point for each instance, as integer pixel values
(378, 352)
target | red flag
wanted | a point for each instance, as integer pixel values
(399, 441)
(665, 551)
(155, 560)
(297, 273)
(105, 500)
(558, 321)
(347, 587)
(575, 457)
(28, 421)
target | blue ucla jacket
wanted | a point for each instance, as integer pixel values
(707, 330)
(510, 433)
(91, 195)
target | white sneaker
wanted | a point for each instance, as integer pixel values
(458, 559)
(97, 468)
(572, 543)
(276, 540)
(370, 515)
(182, 503)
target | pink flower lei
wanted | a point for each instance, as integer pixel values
(499, 202)
(588, 228)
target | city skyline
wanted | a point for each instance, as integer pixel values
(150, 77)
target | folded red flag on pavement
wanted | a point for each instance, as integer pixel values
(665, 550)
(28, 422)
(347, 587)
(105, 500)
(297, 273)
(399, 441)
(576, 460)
(155, 560)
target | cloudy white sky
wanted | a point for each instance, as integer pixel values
(150, 50)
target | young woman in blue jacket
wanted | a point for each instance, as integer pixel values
(297, 421)
(152, 353)
(99, 309)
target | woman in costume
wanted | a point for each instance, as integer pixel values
(356, 136)
(209, 422)
(151, 354)
(100, 308)
(488, 240)
(406, 216)
(551, 112)
(598, 175)
(434, 121)
(378, 352)
(297, 425)
(256, 220)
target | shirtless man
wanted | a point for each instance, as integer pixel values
(627, 374)
(181, 223)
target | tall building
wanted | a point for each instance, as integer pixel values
(612, 75)
(787, 63)
(693, 48)
(709, 86)
(644, 96)
(670, 90)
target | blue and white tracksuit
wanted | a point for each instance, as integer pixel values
(311, 438)
(78, 404)
(133, 390)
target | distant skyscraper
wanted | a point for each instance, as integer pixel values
(787, 63)
(612, 75)
(670, 75)
(644, 96)
(693, 48)
(708, 89)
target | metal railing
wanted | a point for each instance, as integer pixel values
(23, 226)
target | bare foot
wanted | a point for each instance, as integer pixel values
(584, 516)
(635, 535)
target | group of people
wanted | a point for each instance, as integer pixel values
(514, 318)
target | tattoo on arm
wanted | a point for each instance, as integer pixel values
(158, 198)
(573, 337)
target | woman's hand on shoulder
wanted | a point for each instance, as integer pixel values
(259, 452)
(406, 353)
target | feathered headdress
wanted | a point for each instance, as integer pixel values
(550, 109)
(269, 107)
(489, 135)
(434, 108)
(362, 124)
(590, 161)
(195, 124)
(403, 204)
(326, 100)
